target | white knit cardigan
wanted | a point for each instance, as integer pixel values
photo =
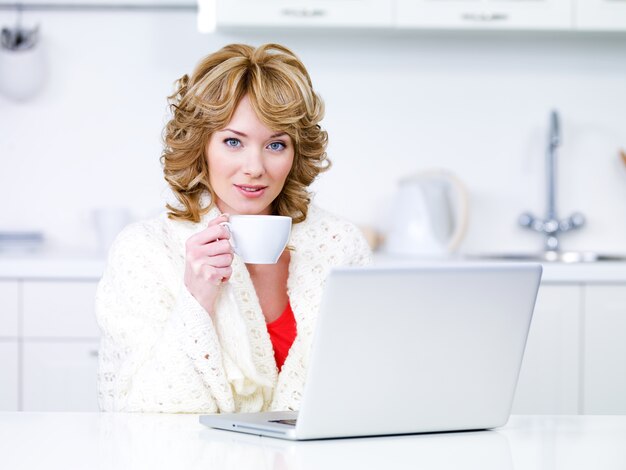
(161, 351)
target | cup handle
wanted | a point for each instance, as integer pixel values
(462, 210)
(231, 240)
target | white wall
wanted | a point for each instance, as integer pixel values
(396, 102)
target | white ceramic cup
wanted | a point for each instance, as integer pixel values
(259, 239)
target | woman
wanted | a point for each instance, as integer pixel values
(186, 325)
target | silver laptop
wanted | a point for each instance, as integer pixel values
(402, 350)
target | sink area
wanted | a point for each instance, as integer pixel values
(553, 256)
(552, 227)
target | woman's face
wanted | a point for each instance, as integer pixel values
(248, 163)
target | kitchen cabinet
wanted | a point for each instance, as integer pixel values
(549, 378)
(60, 375)
(574, 362)
(48, 344)
(600, 15)
(60, 345)
(484, 14)
(91, 3)
(305, 13)
(604, 350)
(575, 358)
(9, 376)
(9, 345)
(54, 309)
(9, 309)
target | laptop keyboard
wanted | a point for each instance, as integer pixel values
(288, 422)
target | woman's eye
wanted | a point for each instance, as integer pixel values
(232, 142)
(276, 146)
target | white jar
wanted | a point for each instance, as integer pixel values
(22, 72)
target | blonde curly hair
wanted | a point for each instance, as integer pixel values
(281, 94)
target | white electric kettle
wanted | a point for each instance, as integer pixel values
(429, 216)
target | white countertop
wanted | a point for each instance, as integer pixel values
(52, 265)
(599, 272)
(144, 441)
(90, 266)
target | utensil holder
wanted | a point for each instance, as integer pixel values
(22, 72)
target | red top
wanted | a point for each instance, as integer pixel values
(282, 333)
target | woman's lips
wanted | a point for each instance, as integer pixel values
(251, 191)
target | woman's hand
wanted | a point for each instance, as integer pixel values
(208, 259)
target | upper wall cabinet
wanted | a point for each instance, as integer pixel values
(105, 4)
(604, 15)
(308, 13)
(485, 14)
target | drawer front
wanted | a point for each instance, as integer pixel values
(301, 13)
(549, 378)
(60, 376)
(485, 14)
(9, 308)
(604, 348)
(601, 15)
(59, 309)
(9, 388)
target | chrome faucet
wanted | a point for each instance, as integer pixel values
(551, 226)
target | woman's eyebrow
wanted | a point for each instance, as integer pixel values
(278, 134)
(273, 136)
(234, 132)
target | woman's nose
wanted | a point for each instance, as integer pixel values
(253, 165)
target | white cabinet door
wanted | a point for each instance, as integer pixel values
(604, 347)
(305, 13)
(485, 14)
(9, 389)
(9, 308)
(549, 379)
(600, 15)
(60, 376)
(59, 309)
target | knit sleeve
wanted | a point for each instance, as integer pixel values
(359, 252)
(159, 351)
(346, 243)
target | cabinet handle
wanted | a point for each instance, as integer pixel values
(94, 353)
(303, 12)
(485, 17)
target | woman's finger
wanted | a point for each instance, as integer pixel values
(226, 273)
(221, 261)
(215, 276)
(218, 220)
(216, 248)
(209, 234)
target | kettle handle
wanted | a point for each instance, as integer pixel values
(462, 210)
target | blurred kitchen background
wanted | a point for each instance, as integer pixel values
(409, 85)
(398, 101)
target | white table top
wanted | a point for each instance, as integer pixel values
(132, 441)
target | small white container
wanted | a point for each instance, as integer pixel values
(109, 222)
(22, 72)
